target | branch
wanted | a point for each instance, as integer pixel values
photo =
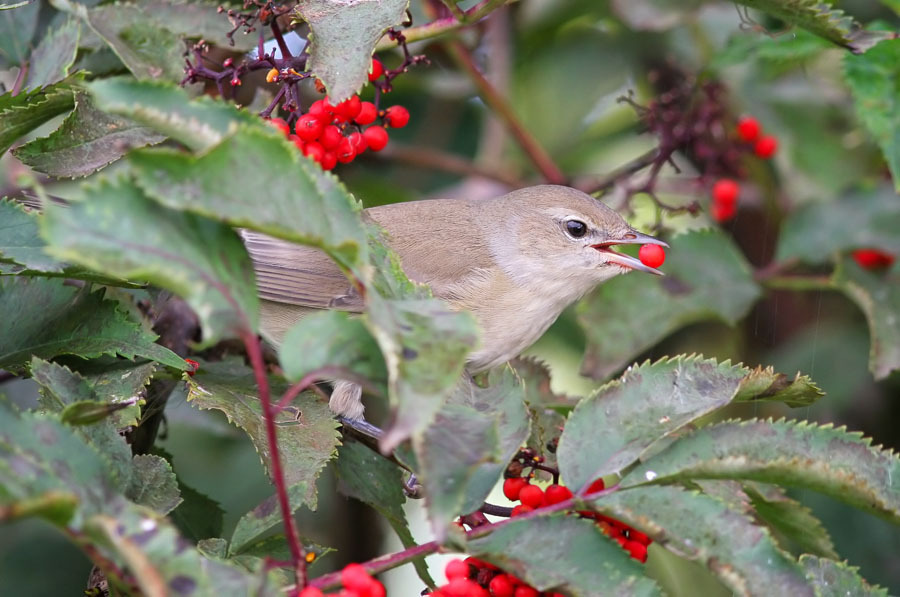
(596, 184)
(443, 26)
(504, 110)
(435, 159)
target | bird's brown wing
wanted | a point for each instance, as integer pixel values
(298, 275)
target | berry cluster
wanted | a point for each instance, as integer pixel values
(475, 578)
(725, 191)
(873, 259)
(330, 134)
(356, 581)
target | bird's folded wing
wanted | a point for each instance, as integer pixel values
(298, 275)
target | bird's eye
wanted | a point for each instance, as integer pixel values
(576, 228)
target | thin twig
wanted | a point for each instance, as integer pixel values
(427, 157)
(596, 184)
(20, 79)
(443, 26)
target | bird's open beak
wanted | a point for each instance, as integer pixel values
(631, 238)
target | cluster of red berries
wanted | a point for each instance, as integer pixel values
(356, 581)
(873, 259)
(725, 191)
(475, 578)
(532, 497)
(331, 134)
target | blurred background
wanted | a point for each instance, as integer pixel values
(562, 65)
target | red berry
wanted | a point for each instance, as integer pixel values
(321, 109)
(309, 127)
(297, 141)
(314, 151)
(873, 259)
(512, 487)
(765, 147)
(722, 212)
(377, 69)
(748, 129)
(358, 142)
(456, 569)
(376, 137)
(331, 136)
(194, 366)
(463, 587)
(637, 550)
(311, 592)
(521, 509)
(501, 586)
(281, 125)
(652, 255)
(355, 578)
(525, 591)
(367, 114)
(556, 494)
(349, 108)
(345, 152)
(597, 485)
(532, 496)
(329, 160)
(725, 191)
(396, 116)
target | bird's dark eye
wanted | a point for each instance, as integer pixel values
(576, 228)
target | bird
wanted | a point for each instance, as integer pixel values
(515, 262)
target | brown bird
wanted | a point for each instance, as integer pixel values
(515, 262)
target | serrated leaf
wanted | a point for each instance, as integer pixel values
(88, 140)
(118, 230)
(616, 425)
(377, 482)
(562, 553)
(153, 484)
(303, 204)
(119, 382)
(45, 318)
(464, 452)
(307, 430)
(198, 516)
(816, 231)
(792, 523)
(722, 289)
(763, 384)
(701, 528)
(267, 515)
(22, 113)
(878, 296)
(343, 37)
(17, 27)
(837, 579)
(51, 60)
(20, 242)
(840, 464)
(823, 20)
(198, 124)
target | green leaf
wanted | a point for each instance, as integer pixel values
(723, 289)
(562, 553)
(46, 318)
(377, 482)
(20, 242)
(343, 37)
(701, 528)
(119, 382)
(331, 339)
(51, 60)
(198, 124)
(464, 452)
(118, 230)
(792, 523)
(266, 516)
(823, 20)
(873, 82)
(21, 114)
(840, 464)
(17, 27)
(198, 516)
(88, 412)
(816, 231)
(88, 140)
(878, 296)
(153, 484)
(655, 400)
(60, 386)
(307, 430)
(837, 579)
(302, 203)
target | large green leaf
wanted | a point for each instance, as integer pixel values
(616, 425)
(706, 278)
(837, 579)
(251, 527)
(87, 141)
(118, 230)
(878, 295)
(46, 318)
(20, 242)
(702, 528)
(22, 113)
(343, 37)
(307, 430)
(793, 524)
(840, 464)
(17, 27)
(563, 553)
(54, 56)
(462, 455)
